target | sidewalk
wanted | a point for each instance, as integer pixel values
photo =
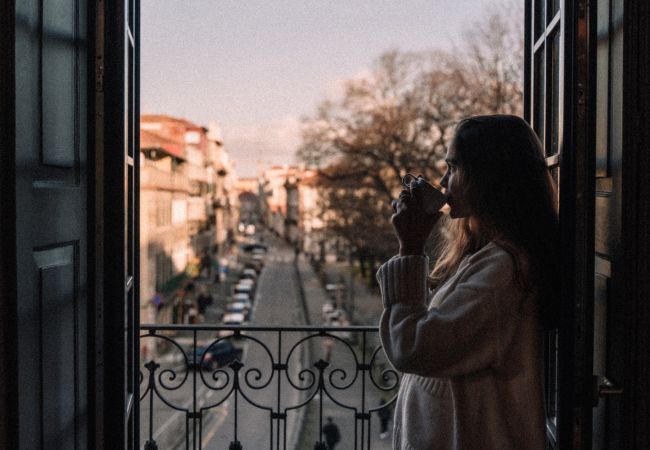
(367, 311)
(366, 307)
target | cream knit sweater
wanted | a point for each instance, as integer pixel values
(471, 357)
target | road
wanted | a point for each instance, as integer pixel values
(277, 303)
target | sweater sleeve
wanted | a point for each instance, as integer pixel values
(471, 328)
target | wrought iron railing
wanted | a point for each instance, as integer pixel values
(199, 390)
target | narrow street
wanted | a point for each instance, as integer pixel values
(276, 303)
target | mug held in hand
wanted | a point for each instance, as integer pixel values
(430, 198)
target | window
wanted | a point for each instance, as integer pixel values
(545, 53)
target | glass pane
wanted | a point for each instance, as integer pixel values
(551, 374)
(602, 88)
(538, 94)
(539, 19)
(131, 15)
(616, 77)
(552, 9)
(552, 140)
(130, 102)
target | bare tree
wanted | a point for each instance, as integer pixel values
(400, 119)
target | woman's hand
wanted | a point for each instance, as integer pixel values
(412, 225)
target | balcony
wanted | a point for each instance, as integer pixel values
(269, 387)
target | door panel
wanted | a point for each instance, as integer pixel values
(558, 90)
(118, 93)
(51, 222)
(608, 211)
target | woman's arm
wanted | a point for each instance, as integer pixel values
(470, 330)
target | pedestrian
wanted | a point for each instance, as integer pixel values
(332, 434)
(328, 345)
(204, 300)
(385, 414)
(470, 349)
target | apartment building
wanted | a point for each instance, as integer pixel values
(164, 228)
(223, 195)
(188, 205)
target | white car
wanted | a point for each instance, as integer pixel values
(238, 308)
(243, 288)
(241, 297)
(239, 304)
(233, 319)
(246, 281)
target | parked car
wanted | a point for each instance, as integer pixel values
(217, 355)
(246, 303)
(238, 308)
(243, 288)
(249, 274)
(233, 319)
(248, 281)
(241, 297)
(255, 265)
(254, 247)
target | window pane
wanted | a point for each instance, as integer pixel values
(539, 18)
(552, 141)
(538, 100)
(552, 9)
(602, 88)
(551, 374)
(616, 77)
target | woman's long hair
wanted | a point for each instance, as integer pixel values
(510, 192)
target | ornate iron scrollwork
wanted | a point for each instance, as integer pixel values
(299, 377)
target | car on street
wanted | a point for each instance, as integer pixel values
(233, 319)
(243, 302)
(248, 281)
(217, 355)
(243, 289)
(256, 246)
(241, 297)
(240, 308)
(255, 265)
(249, 274)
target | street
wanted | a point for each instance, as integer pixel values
(276, 303)
(246, 415)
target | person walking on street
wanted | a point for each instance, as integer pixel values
(332, 434)
(385, 414)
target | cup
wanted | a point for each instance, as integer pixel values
(430, 198)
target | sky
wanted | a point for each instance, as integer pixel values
(258, 66)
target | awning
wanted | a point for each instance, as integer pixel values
(174, 283)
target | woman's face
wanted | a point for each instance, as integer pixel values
(455, 188)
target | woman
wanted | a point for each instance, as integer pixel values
(470, 352)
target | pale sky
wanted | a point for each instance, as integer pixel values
(258, 66)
